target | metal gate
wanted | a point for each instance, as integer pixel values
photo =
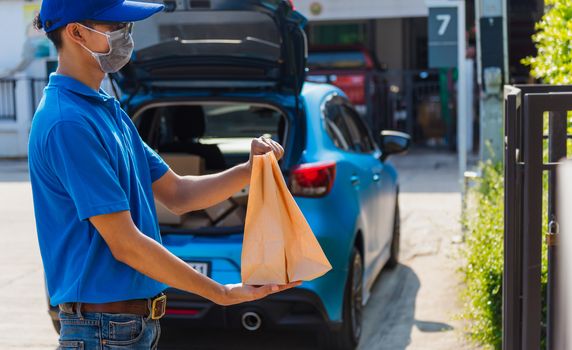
(397, 105)
(8, 99)
(527, 160)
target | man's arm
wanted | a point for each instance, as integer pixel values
(182, 194)
(130, 246)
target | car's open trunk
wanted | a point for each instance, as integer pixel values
(224, 44)
(198, 138)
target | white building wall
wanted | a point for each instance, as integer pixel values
(317, 10)
(13, 33)
(390, 41)
(16, 18)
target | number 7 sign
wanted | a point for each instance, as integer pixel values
(445, 20)
(447, 49)
(443, 37)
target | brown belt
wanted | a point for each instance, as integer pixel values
(142, 307)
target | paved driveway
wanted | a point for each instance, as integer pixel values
(411, 307)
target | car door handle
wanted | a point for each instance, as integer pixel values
(376, 177)
(354, 180)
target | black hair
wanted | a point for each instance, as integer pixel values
(55, 36)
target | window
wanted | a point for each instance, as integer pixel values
(336, 127)
(360, 137)
(229, 125)
(242, 121)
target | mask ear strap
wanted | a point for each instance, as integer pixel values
(95, 54)
(93, 30)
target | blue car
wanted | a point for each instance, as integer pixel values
(202, 83)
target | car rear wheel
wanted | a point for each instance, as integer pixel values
(394, 255)
(347, 337)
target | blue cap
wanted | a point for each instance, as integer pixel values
(55, 14)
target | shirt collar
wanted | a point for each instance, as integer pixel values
(66, 82)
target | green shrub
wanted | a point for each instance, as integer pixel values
(483, 254)
(484, 259)
(553, 39)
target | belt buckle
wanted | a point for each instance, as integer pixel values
(158, 307)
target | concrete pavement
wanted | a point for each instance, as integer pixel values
(24, 323)
(411, 307)
(415, 306)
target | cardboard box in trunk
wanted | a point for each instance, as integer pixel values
(196, 220)
(235, 218)
(241, 197)
(217, 211)
(165, 216)
(182, 164)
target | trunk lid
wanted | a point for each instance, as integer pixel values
(219, 44)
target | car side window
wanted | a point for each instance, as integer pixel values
(361, 139)
(336, 126)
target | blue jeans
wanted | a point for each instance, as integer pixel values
(104, 331)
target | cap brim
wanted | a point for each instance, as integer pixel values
(129, 11)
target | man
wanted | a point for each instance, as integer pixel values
(94, 180)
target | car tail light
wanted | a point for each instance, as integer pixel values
(292, 4)
(353, 86)
(313, 179)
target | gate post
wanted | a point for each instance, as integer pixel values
(511, 286)
(532, 224)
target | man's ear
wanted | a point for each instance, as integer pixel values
(75, 33)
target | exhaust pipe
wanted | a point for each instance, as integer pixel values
(251, 321)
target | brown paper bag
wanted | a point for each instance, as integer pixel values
(279, 245)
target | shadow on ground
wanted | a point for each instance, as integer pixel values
(390, 314)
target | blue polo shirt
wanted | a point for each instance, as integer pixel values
(86, 158)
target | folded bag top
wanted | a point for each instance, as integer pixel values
(278, 245)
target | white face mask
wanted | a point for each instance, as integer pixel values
(120, 49)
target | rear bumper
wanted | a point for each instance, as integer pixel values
(296, 308)
(293, 309)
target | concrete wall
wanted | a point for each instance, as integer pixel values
(13, 33)
(397, 42)
(18, 35)
(390, 42)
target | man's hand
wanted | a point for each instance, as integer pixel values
(132, 247)
(262, 146)
(240, 293)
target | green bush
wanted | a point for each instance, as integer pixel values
(553, 39)
(483, 254)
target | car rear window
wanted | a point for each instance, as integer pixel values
(337, 60)
(241, 120)
(222, 122)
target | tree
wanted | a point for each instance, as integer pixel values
(553, 39)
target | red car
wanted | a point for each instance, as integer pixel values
(356, 71)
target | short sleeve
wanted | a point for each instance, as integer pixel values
(83, 166)
(157, 165)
